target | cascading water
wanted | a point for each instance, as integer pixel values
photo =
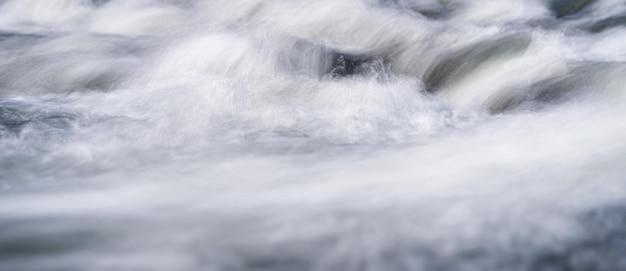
(313, 135)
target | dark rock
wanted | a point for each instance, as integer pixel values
(317, 60)
(346, 64)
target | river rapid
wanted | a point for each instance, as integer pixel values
(318, 135)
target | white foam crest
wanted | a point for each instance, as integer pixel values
(609, 45)
(134, 17)
(137, 17)
(502, 11)
(66, 64)
(267, 109)
(53, 13)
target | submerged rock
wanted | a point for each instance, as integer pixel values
(433, 9)
(347, 64)
(98, 3)
(99, 64)
(582, 79)
(459, 64)
(15, 117)
(4, 36)
(318, 60)
(562, 8)
(610, 22)
(19, 41)
(603, 233)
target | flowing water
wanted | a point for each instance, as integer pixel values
(313, 135)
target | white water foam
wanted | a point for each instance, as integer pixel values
(299, 135)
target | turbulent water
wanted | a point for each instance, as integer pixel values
(313, 135)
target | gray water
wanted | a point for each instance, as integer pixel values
(313, 135)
